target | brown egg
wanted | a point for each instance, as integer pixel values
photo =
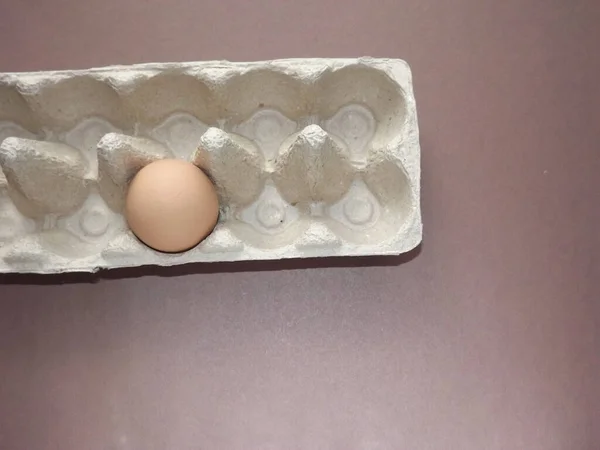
(171, 205)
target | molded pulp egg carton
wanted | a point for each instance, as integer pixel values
(314, 157)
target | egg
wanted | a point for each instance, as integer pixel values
(171, 205)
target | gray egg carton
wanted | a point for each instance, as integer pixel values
(311, 158)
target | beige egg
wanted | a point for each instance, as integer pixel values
(171, 205)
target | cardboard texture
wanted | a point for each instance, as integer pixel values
(311, 158)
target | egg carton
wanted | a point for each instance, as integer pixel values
(310, 157)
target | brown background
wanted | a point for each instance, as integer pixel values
(488, 337)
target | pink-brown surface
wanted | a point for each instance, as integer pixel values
(487, 337)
